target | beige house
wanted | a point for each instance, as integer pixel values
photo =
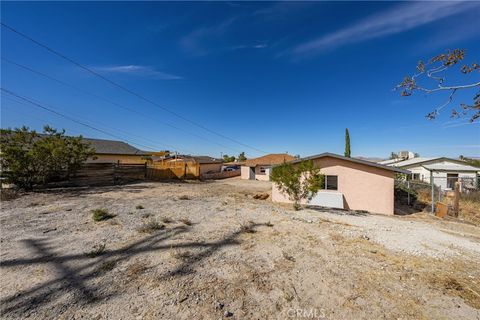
(260, 168)
(111, 151)
(351, 184)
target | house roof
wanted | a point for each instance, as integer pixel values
(365, 162)
(114, 147)
(269, 160)
(431, 161)
(412, 161)
(443, 167)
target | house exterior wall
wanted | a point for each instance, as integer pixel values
(206, 167)
(363, 187)
(262, 176)
(247, 173)
(116, 158)
(440, 178)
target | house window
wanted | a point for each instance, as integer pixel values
(331, 182)
(415, 176)
(262, 170)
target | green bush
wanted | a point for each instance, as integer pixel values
(30, 159)
(101, 214)
(299, 181)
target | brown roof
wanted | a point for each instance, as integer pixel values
(269, 160)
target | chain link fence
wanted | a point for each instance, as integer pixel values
(424, 195)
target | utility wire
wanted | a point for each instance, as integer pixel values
(126, 89)
(109, 101)
(68, 117)
(155, 143)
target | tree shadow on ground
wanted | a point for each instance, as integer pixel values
(77, 281)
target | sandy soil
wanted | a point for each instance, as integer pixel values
(208, 250)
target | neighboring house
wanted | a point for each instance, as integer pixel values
(260, 168)
(351, 183)
(445, 171)
(110, 151)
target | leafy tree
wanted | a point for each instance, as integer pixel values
(393, 155)
(227, 158)
(29, 159)
(300, 181)
(435, 70)
(472, 162)
(347, 143)
(241, 157)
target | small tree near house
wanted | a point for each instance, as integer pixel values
(300, 181)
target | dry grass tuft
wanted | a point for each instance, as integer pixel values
(107, 266)
(247, 227)
(181, 255)
(139, 207)
(151, 227)
(166, 220)
(101, 215)
(184, 197)
(97, 250)
(135, 269)
(186, 221)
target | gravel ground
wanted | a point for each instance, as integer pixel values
(208, 250)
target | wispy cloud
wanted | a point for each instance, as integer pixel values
(248, 46)
(392, 21)
(200, 41)
(138, 70)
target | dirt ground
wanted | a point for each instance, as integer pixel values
(209, 250)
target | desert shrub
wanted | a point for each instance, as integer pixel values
(97, 250)
(300, 181)
(139, 207)
(30, 159)
(101, 214)
(184, 197)
(151, 227)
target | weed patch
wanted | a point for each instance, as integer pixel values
(151, 227)
(101, 215)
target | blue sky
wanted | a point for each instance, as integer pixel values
(277, 76)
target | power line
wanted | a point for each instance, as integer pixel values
(109, 101)
(126, 89)
(155, 143)
(69, 118)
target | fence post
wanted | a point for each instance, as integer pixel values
(408, 193)
(456, 199)
(145, 172)
(433, 191)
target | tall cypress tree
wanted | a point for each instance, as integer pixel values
(347, 143)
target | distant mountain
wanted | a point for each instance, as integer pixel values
(372, 159)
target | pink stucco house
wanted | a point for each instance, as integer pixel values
(351, 184)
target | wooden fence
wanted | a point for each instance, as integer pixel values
(173, 170)
(97, 174)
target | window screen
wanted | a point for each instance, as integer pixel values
(331, 182)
